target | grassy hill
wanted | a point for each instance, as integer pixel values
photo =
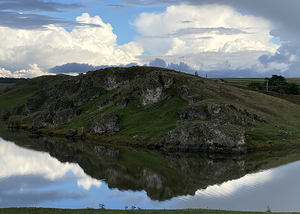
(148, 103)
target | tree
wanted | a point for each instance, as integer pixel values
(196, 73)
(276, 83)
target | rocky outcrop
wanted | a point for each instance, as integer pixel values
(107, 101)
(185, 94)
(34, 103)
(55, 112)
(204, 137)
(154, 89)
(88, 94)
(106, 123)
(16, 110)
(197, 112)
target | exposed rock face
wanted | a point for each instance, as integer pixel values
(87, 95)
(34, 103)
(154, 88)
(55, 112)
(207, 128)
(204, 137)
(15, 110)
(184, 92)
(194, 113)
(151, 96)
(106, 123)
(65, 88)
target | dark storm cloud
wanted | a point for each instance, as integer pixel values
(23, 14)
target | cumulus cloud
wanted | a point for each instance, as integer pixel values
(33, 71)
(85, 44)
(208, 38)
(281, 18)
(193, 29)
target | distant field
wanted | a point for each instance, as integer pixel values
(245, 81)
(5, 85)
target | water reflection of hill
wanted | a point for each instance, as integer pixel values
(162, 176)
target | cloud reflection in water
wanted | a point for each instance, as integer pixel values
(29, 177)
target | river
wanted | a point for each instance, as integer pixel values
(49, 172)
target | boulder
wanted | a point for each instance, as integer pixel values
(106, 123)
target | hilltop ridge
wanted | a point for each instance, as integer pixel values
(154, 107)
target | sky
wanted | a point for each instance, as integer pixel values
(220, 38)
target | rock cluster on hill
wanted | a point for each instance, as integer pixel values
(207, 121)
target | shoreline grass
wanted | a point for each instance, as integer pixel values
(136, 211)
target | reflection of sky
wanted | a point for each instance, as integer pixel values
(31, 178)
(34, 178)
(279, 188)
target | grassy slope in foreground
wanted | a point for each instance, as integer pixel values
(104, 211)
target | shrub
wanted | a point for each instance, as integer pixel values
(256, 85)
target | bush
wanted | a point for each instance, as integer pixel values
(256, 86)
(292, 88)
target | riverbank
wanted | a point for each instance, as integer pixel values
(105, 211)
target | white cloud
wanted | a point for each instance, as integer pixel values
(193, 29)
(33, 71)
(207, 37)
(4, 73)
(17, 161)
(90, 44)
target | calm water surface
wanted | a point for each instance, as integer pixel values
(55, 173)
